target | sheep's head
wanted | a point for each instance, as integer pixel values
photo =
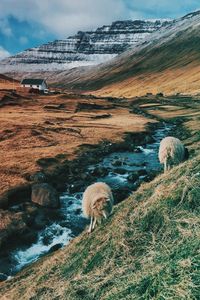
(100, 205)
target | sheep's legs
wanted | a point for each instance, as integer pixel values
(104, 214)
(165, 165)
(94, 223)
(91, 225)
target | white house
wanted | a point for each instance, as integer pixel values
(39, 84)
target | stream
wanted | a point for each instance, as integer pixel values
(123, 171)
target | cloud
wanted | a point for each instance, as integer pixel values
(33, 22)
(23, 40)
(64, 17)
(5, 28)
(3, 53)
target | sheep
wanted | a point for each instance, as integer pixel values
(97, 203)
(172, 152)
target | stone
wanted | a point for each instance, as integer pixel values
(133, 176)
(99, 172)
(117, 163)
(3, 277)
(38, 177)
(120, 171)
(11, 225)
(40, 221)
(45, 195)
(55, 248)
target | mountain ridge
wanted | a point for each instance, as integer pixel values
(163, 62)
(84, 48)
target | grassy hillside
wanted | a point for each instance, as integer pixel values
(148, 249)
(163, 64)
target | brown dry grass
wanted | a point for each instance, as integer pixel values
(8, 83)
(184, 80)
(30, 131)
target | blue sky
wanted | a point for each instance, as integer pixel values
(28, 23)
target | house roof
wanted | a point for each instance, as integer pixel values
(32, 81)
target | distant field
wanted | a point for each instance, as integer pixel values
(35, 127)
(147, 249)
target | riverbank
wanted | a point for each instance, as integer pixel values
(66, 174)
(123, 166)
(45, 131)
(147, 248)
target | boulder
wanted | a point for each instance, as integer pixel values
(120, 171)
(38, 177)
(55, 248)
(45, 195)
(133, 176)
(11, 225)
(99, 172)
(117, 163)
(3, 277)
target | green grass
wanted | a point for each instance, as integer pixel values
(148, 249)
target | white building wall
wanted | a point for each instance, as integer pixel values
(41, 87)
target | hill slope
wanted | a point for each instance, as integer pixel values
(148, 249)
(169, 62)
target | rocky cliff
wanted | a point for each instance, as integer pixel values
(84, 48)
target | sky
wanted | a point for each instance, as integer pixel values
(28, 23)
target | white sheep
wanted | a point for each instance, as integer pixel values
(172, 152)
(97, 203)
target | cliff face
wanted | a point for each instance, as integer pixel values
(166, 61)
(84, 48)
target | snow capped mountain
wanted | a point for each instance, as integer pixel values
(84, 48)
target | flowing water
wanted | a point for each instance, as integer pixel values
(124, 172)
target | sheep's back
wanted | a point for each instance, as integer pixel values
(171, 147)
(92, 194)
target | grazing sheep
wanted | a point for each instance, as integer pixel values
(172, 152)
(97, 203)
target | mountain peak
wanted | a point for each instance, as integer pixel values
(84, 48)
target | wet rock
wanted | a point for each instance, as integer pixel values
(40, 221)
(77, 186)
(138, 150)
(38, 177)
(150, 176)
(11, 222)
(45, 195)
(159, 95)
(120, 171)
(121, 194)
(46, 162)
(78, 211)
(49, 235)
(132, 177)
(3, 277)
(117, 163)
(84, 176)
(142, 172)
(137, 164)
(6, 262)
(55, 248)
(30, 208)
(99, 172)
(29, 237)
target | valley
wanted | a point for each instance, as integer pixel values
(102, 123)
